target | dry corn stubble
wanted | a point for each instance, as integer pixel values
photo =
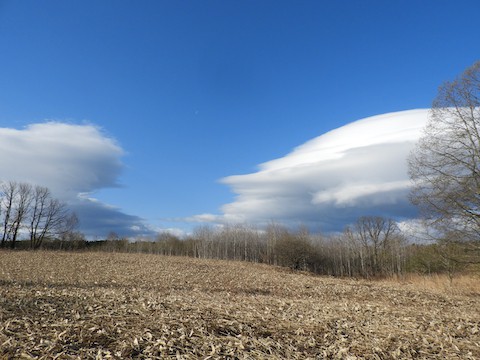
(103, 305)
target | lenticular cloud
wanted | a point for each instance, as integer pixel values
(326, 183)
(67, 158)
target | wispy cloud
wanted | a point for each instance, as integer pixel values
(72, 160)
(358, 169)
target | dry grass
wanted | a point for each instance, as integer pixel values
(459, 284)
(98, 305)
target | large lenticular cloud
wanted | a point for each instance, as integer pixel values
(71, 160)
(358, 169)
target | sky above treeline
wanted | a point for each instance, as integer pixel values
(147, 116)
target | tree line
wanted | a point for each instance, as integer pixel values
(372, 247)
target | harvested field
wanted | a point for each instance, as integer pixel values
(103, 305)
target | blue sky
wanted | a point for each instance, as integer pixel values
(182, 94)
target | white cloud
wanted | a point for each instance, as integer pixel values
(358, 169)
(349, 195)
(73, 161)
(70, 159)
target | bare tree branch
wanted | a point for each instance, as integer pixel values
(445, 165)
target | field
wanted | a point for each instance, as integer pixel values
(105, 305)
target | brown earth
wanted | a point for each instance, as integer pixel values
(103, 305)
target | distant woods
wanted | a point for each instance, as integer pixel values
(370, 248)
(31, 212)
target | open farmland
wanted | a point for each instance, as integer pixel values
(104, 305)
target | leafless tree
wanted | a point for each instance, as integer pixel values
(48, 217)
(295, 251)
(374, 236)
(72, 240)
(32, 210)
(16, 200)
(20, 210)
(8, 193)
(445, 165)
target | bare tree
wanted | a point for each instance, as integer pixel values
(48, 216)
(375, 236)
(33, 211)
(8, 193)
(445, 165)
(72, 240)
(20, 210)
(41, 195)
